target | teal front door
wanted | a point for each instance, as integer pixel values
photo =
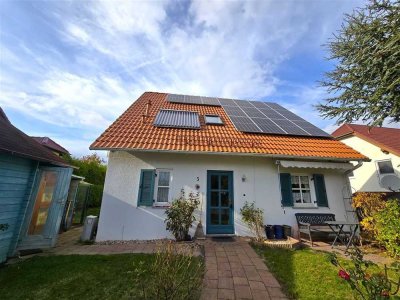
(220, 202)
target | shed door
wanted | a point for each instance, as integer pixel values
(45, 208)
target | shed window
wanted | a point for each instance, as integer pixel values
(385, 167)
(213, 120)
(301, 189)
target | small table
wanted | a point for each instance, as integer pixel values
(334, 225)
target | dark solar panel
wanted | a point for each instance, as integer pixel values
(266, 117)
(177, 119)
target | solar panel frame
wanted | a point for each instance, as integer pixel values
(177, 119)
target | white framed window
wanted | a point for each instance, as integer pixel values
(213, 120)
(384, 167)
(301, 190)
(162, 187)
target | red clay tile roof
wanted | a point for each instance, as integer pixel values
(386, 138)
(49, 143)
(15, 142)
(133, 130)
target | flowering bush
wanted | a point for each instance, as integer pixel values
(365, 282)
(180, 215)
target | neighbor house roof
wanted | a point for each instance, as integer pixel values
(15, 142)
(49, 143)
(383, 137)
(134, 130)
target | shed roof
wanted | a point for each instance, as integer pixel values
(134, 130)
(15, 142)
(51, 144)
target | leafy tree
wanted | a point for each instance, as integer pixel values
(365, 83)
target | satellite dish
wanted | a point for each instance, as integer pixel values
(391, 182)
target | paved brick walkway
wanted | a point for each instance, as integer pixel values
(235, 271)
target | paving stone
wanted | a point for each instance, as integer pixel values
(225, 283)
(211, 283)
(224, 266)
(225, 294)
(260, 295)
(239, 272)
(224, 273)
(243, 292)
(257, 285)
(240, 281)
(211, 274)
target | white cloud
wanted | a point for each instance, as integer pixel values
(106, 53)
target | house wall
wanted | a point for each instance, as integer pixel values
(16, 177)
(366, 178)
(121, 219)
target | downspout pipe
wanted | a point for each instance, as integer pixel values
(358, 165)
(346, 173)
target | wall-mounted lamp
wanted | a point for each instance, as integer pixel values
(244, 178)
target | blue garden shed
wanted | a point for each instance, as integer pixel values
(34, 185)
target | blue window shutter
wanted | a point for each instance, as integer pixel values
(146, 187)
(286, 189)
(320, 190)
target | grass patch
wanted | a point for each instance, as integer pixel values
(73, 277)
(305, 274)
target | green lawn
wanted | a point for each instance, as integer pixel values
(72, 277)
(306, 274)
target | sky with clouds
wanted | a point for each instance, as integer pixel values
(69, 68)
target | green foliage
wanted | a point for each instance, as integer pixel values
(366, 81)
(4, 227)
(254, 219)
(363, 278)
(91, 167)
(180, 215)
(174, 274)
(388, 227)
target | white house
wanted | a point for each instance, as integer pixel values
(228, 151)
(382, 145)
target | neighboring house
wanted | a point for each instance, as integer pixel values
(228, 151)
(382, 145)
(50, 144)
(34, 184)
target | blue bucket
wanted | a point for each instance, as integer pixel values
(278, 230)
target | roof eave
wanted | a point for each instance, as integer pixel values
(277, 156)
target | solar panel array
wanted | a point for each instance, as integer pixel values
(177, 119)
(256, 116)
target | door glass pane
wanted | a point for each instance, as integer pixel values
(214, 217)
(43, 202)
(225, 199)
(162, 194)
(214, 182)
(163, 178)
(225, 216)
(224, 182)
(214, 199)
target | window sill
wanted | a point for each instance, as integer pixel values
(161, 205)
(305, 207)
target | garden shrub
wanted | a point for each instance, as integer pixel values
(174, 274)
(180, 215)
(388, 227)
(367, 205)
(253, 217)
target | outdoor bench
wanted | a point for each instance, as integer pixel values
(309, 223)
